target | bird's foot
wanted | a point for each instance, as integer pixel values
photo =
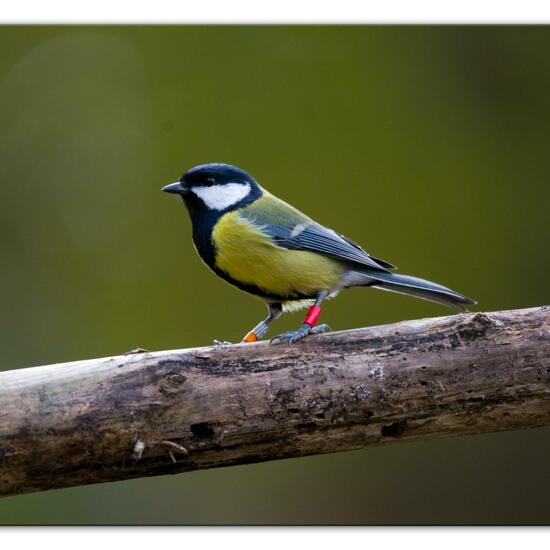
(222, 343)
(294, 336)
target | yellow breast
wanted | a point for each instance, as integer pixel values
(250, 256)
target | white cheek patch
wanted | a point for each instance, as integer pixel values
(220, 197)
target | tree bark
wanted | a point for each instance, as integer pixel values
(146, 414)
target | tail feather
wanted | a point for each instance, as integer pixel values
(420, 288)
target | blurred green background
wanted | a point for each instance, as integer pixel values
(428, 145)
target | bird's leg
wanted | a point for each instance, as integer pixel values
(275, 311)
(309, 324)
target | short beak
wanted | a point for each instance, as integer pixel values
(175, 188)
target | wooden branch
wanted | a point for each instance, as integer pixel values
(147, 414)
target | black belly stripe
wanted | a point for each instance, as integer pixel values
(202, 238)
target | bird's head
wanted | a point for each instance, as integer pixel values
(215, 187)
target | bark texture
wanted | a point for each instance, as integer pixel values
(147, 414)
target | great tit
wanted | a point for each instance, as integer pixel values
(269, 249)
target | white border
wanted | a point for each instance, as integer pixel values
(227, 538)
(282, 11)
(291, 12)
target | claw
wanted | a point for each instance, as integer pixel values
(294, 336)
(222, 343)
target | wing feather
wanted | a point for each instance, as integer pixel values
(290, 228)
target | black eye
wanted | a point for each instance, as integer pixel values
(209, 182)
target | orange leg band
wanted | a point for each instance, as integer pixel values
(250, 337)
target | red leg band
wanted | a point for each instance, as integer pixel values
(313, 315)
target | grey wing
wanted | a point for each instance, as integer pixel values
(318, 238)
(291, 229)
(383, 263)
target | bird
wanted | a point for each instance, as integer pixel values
(271, 250)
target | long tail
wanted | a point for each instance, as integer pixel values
(420, 288)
